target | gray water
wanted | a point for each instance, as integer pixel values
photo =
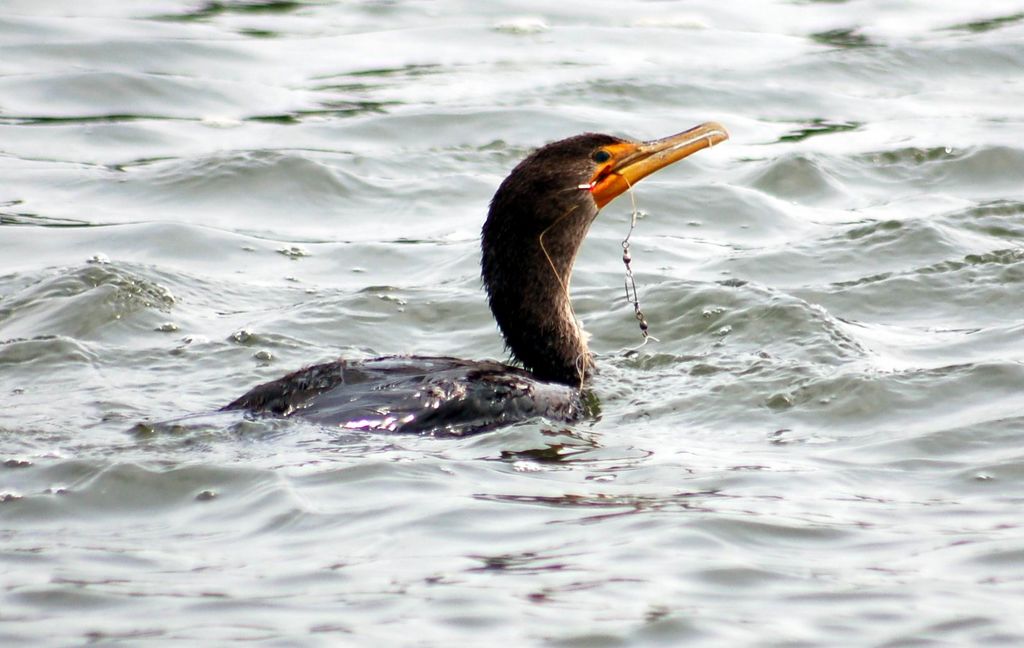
(824, 448)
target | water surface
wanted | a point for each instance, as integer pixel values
(823, 448)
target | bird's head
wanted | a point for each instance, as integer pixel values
(560, 174)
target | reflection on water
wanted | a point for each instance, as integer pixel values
(822, 449)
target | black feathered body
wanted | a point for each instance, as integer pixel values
(536, 223)
(427, 395)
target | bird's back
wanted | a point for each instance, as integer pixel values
(427, 395)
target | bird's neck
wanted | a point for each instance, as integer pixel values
(526, 267)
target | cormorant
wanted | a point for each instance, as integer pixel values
(537, 220)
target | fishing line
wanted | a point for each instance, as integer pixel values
(630, 282)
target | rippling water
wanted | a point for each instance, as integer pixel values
(824, 448)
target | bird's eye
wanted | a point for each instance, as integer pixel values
(602, 156)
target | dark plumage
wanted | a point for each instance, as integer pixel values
(413, 394)
(537, 221)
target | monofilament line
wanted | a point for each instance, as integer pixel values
(630, 282)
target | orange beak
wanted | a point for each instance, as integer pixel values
(631, 162)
